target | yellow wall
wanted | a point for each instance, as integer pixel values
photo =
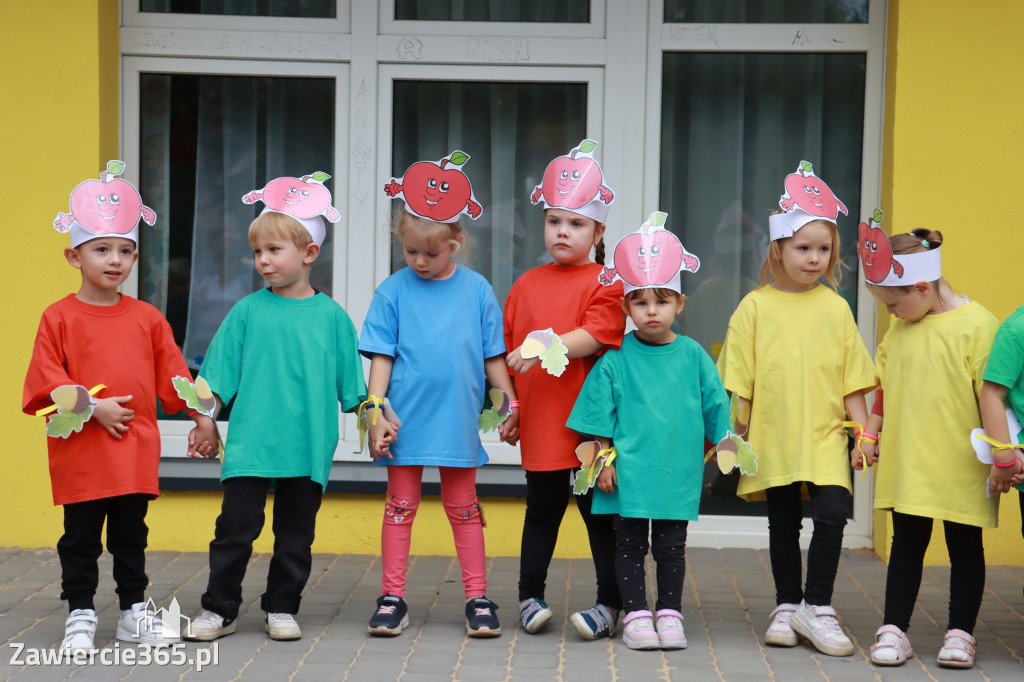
(954, 161)
(951, 104)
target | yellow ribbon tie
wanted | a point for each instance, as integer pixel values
(997, 446)
(858, 434)
(47, 410)
(373, 400)
(609, 455)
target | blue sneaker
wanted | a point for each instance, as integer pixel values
(596, 622)
(391, 616)
(534, 614)
(481, 618)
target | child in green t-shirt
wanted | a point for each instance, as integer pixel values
(1004, 383)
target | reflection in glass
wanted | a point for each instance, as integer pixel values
(317, 9)
(733, 127)
(205, 142)
(562, 11)
(511, 131)
(766, 11)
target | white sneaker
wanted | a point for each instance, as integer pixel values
(282, 627)
(669, 624)
(780, 632)
(142, 626)
(208, 626)
(79, 632)
(821, 627)
(638, 631)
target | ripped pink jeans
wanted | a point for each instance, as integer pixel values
(458, 496)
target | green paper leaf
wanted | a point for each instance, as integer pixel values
(489, 420)
(115, 167)
(186, 390)
(579, 484)
(658, 218)
(64, 423)
(588, 146)
(458, 158)
(806, 167)
(555, 358)
(746, 458)
(320, 176)
(877, 215)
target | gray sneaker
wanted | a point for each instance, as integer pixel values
(208, 626)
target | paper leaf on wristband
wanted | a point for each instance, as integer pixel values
(494, 416)
(590, 455)
(739, 413)
(734, 452)
(546, 345)
(983, 448)
(75, 406)
(197, 396)
(365, 415)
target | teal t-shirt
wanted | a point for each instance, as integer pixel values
(657, 404)
(1006, 361)
(288, 363)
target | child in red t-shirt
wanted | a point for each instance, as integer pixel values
(565, 303)
(105, 451)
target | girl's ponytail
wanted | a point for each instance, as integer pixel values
(599, 251)
(916, 241)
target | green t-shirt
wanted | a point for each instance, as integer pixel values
(1006, 362)
(287, 363)
(657, 404)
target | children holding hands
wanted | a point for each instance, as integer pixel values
(286, 355)
(433, 334)
(100, 362)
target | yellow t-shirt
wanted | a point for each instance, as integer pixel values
(795, 356)
(932, 374)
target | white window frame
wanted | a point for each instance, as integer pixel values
(595, 28)
(132, 16)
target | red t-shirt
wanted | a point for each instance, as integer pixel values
(563, 297)
(129, 348)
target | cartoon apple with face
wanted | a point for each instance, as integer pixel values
(303, 197)
(651, 256)
(109, 205)
(573, 181)
(437, 191)
(810, 193)
(876, 251)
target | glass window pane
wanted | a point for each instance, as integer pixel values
(733, 127)
(563, 11)
(317, 9)
(205, 142)
(766, 11)
(511, 131)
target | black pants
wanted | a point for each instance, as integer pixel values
(910, 538)
(785, 519)
(296, 503)
(81, 545)
(547, 497)
(668, 547)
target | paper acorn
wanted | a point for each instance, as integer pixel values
(575, 182)
(884, 268)
(305, 199)
(806, 198)
(108, 207)
(650, 257)
(437, 190)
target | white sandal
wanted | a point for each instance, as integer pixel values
(891, 646)
(957, 650)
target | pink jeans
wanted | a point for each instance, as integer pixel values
(458, 496)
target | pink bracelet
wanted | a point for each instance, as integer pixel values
(192, 413)
(869, 436)
(513, 403)
(1011, 463)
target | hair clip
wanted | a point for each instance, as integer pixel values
(925, 244)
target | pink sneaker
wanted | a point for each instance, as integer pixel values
(821, 627)
(639, 632)
(780, 632)
(669, 624)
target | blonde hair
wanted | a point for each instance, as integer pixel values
(432, 232)
(771, 268)
(274, 224)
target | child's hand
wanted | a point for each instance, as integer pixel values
(381, 435)
(509, 429)
(517, 363)
(203, 440)
(864, 454)
(607, 480)
(112, 416)
(1001, 479)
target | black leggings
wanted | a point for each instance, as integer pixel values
(785, 519)
(547, 497)
(668, 547)
(910, 537)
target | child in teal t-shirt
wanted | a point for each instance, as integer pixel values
(656, 399)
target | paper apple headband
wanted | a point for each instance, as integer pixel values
(575, 182)
(437, 190)
(650, 257)
(884, 268)
(305, 199)
(807, 198)
(108, 207)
